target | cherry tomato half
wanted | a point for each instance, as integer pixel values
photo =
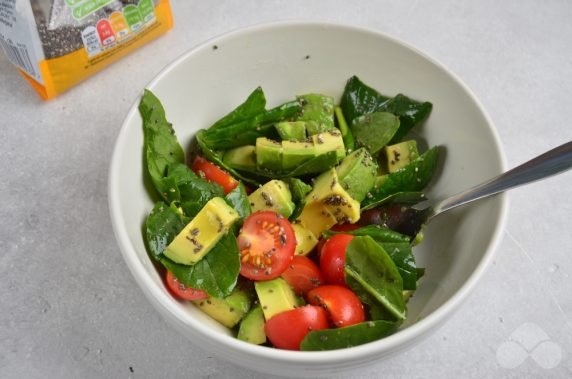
(303, 274)
(267, 244)
(343, 306)
(213, 173)
(183, 292)
(286, 330)
(333, 258)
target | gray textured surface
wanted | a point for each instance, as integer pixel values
(68, 306)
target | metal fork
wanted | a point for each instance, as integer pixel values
(553, 162)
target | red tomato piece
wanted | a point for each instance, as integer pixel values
(267, 244)
(303, 274)
(333, 259)
(213, 173)
(183, 292)
(343, 306)
(286, 330)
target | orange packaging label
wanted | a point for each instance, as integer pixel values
(101, 38)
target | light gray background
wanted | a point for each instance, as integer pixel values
(69, 307)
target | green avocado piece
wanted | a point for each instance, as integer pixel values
(357, 173)
(318, 112)
(401, 154)
(272, 196)
(294, 153)
(291, 155)
(275, 296)
(251, 327)
(268, 154)
(241, 158)
(291, 130)
(329, 141)
(228, 311)
(328, 204)
(203, 232)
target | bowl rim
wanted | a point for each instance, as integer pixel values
(422, 327)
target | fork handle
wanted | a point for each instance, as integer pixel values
(550, 163)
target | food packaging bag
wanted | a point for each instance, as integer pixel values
(55, 44)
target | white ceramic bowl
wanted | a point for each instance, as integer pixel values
(291, 58)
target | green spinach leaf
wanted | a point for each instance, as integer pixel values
(347, 136)
(189, 190)
(401, 254)
(253, 105)
(372, 275)
(317, 111)
(348, 336)
(359, 99)
(377, 232)
(160, 142)
(216, 273)
(238, 199)
(410, 112)
(247, 131)
(402, 198)
(374, 130)
(299, 190)
(413, 177)
(162, 226)
(396, 245)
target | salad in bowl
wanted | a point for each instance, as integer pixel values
(280, 223)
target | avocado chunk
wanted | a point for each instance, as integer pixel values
(329, 141)
(241, 158)
(316, 218)
(328, 204)
(401, 154)
(251, 327)
(275, 296)
(357, 173)
(203, 232)
(272, 196)
(288, 155)
(291, 130)
(296, 153)
(268, 154)
(328, 191)
(228, 311)
(318, 112)
(305, 239)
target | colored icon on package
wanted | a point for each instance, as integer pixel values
(91, 41)
(105, 33)
(73, 3)
(119, 25)
(147, 10)
(85, 8)
(133, 17)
